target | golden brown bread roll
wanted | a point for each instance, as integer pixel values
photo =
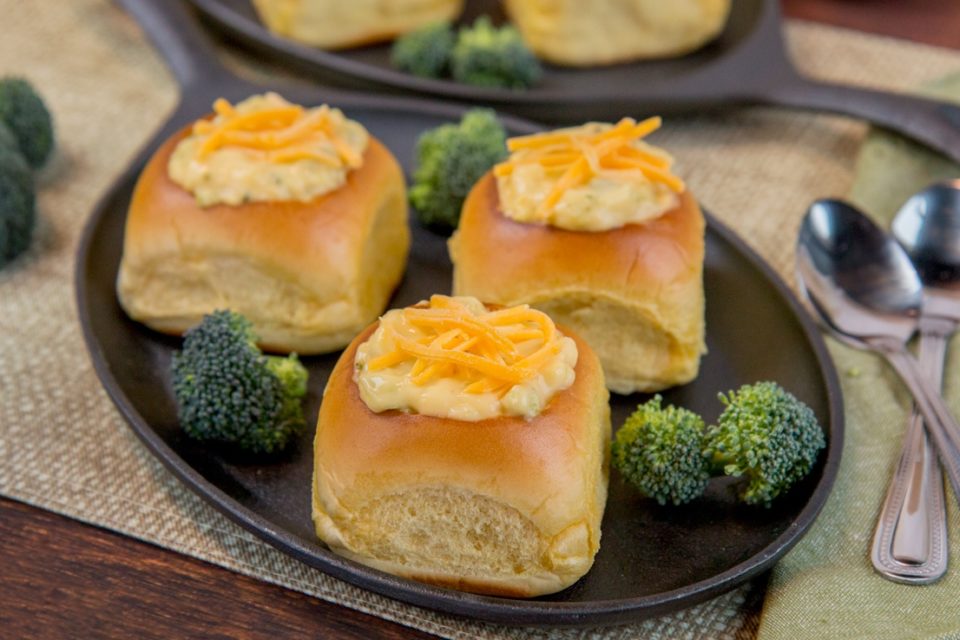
(634, 293)
(503, 506)
(309, 275)
(338, 24)
(598, 32)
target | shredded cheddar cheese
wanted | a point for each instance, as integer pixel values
(267, 149)
(283, 132)
(455, 354)
(479, 349)
(573, 158)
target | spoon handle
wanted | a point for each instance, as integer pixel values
(910, 542)
(941, 424)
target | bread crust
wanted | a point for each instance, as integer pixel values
(647, 277)
(309, 275)
(549, 474)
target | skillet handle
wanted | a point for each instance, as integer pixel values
(930, 122)
(186, 48)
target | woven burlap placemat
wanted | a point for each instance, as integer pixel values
(63, 446)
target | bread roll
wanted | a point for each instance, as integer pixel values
(338, 24)
(635, 293)
(309, 275)
(598, 32)
(502, 506)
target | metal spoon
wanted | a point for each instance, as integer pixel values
(867, 292)
(910, 542)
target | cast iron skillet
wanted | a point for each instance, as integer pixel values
(747, 64)
(653, 560)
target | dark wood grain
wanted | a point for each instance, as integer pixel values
(934, 22)
(64, 579)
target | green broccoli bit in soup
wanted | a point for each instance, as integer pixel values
(426, 51)
(766, 435)
(25, 114)
(450, 159)
(228, 391)
(18, 214)
(659, 450)
(487, 56)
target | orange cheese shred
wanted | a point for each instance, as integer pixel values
(576, 156)
(578, 173)
(466, 323)
(480, 364)
(303, 153)
(282, 134)
(481, 349)
(522, 335)
(386, 360)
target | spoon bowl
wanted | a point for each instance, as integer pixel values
(928, 228)
(860, 280)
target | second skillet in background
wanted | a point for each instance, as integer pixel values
(563, 94)
(747, 64)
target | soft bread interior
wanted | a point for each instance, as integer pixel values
(460, 539)
(624, 333)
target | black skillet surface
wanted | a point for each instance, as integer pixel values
(746, 64)
(653, 560)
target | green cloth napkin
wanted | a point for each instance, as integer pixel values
(827, 587)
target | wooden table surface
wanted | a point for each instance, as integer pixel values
(64, 579)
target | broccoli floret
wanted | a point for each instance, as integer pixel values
(766, 435)
(424, 52)
(23, 111)
(450, 159)
(228, 391)
(18, 214)
(660, 451)
(490, 57)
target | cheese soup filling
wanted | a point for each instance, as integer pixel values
(265, 149)
(454, 358)
(589, 178)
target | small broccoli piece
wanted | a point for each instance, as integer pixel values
(228, 391)
(490, 57)
(18, 214)
(424, 52)
(450, 159)
(23, 111)
(766, 435)
(660, 451)
(8, 141)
